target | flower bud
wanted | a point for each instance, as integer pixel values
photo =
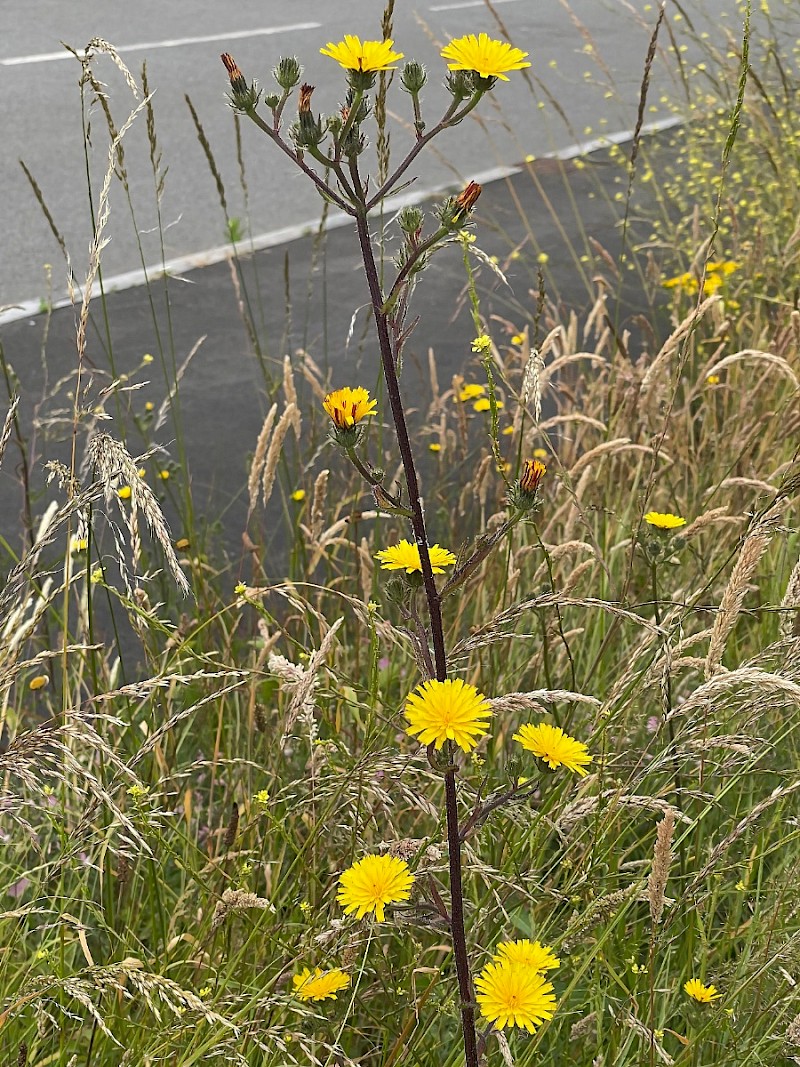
(287, 73)
(410, 219)
(413, 77)
(459, 84)
(243, 97)
(522, 494)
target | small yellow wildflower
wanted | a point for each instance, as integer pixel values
(39, 682)
(484, 404)
(404, 556)
(703, 994)
(353, 54)
(79, 544)
(163, 475)
(434, 446)
(540, 453)
(148, 405)
(470, 391)
(124, 492)
(347, 406)
(452, 710)
(182, 544)
(542, 259)
(321, 985)
(511, 994)
(664, 520)
(299, 495)
(484, 56)
(372, 883)
(556, 748)
(507, 431)
(305, 906)
(517, 339)
(147, 358)
(482, 343)
(141, 472)
(712, 379)
(240, 588)
(261, 797)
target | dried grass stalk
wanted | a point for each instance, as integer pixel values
(319, 503)
(259, 458)
(790, 605)
(274, 453)
(662, 860)
(290, 392)
(754, 547)
(7, 427)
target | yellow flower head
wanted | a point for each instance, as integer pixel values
(470, 391)
(531, 954)
(686, 281)
(372, 883)
(482, 343)
(488, 58)
(723, 267)
(703, 994)
(447, 711)
(712, 379)
(405, 557)
(484, 404)
(79, 544)
(511, 994)
(347, 406)
(434, 446)
(556, 748)
(124, 492)
(298, 495)
(39, 682)
(352, 54)
(664, 521)
(321, 985)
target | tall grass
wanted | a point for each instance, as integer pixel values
(176, 817)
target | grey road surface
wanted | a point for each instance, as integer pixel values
(587, 60)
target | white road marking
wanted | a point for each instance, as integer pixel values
(29, 309)
(468, 3)
(177, 42)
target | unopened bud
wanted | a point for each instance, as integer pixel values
(410, 219)
(522, 495)
(306, 92)
(459, 84)
(413, 77)
(243, 97)
(287, 73)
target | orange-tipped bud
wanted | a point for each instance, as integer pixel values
(466, 200)
(532, 473)
(238, 82)
(304, 104)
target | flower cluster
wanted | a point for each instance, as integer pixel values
(513, 990)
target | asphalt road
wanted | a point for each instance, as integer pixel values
(587, 63)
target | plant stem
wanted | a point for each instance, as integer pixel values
(437, 635)
(404, 444)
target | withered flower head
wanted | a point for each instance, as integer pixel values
(306, 91)
(243, 97)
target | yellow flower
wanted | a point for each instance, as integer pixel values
(724, 267)
(470, 391)
(352, 54)
(511, 994)
(434, 446)
(124, 492)
(182, 544)
(508, 430)
(405, 557)
(664, 520)
(517, 339)
(703, 994)
(540, 453)
(163, 475)
(321, 985)
(685, 281)
(532, 954)
(452, 710)
(482, 343)
(39, 682)
(372, 883)
(79, 544)
(552, 745)
(141, 472)
(349, 406)
(299, 495)
(712, 379)
(484, 404)
(488, 58)
(148, 405)
(147, 358)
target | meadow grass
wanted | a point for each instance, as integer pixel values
(176, 820)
